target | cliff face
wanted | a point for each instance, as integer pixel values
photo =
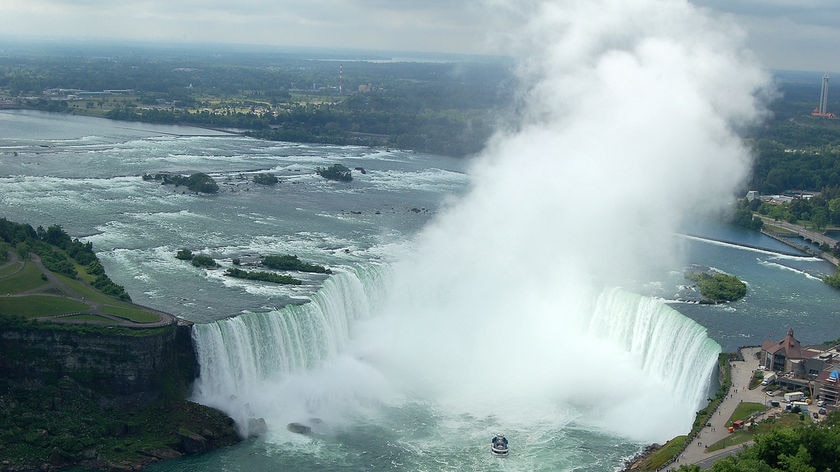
(100, 398)
(138, 367)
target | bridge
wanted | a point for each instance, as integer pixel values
(807, 235)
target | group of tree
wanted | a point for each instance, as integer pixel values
(262, 276)
(814, 447)
(335, 172)
(197, 260)
(744, 216)
(794, 150)
(819, 211)
(60, 253)
(197, 182)
(282, 262)
(291, 262)
(265, 178)
(716, 287)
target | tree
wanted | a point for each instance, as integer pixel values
(834, 210)
(743, 216)
(819, 218)
(718, 287)
(201, 182)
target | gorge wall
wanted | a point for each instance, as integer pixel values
(105, 398)
(135, 366)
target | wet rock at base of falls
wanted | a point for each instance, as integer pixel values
(299, 428)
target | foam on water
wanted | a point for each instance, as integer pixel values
(788, 268)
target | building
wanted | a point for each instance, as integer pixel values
(806, 369)
(777, 356)
(828, 385)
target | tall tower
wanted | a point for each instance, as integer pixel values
(824, 95)
(341, 78)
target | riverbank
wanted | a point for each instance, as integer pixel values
(741, 372)
(808, 236)
(703, 448)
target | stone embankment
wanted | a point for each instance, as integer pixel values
(807, 235)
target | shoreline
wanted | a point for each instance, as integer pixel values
(805, 234)
(693, 451)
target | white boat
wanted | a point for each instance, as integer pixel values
(499, 445)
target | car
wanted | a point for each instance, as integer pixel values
(816, 415)
(821, 403)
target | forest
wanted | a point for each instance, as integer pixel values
(794, 150)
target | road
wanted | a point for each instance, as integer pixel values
(806, 234)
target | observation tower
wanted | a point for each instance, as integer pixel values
(821, 110)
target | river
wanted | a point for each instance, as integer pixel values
(581, 386)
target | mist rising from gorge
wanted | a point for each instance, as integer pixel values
(628, 126)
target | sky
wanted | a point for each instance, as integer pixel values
(784, 34)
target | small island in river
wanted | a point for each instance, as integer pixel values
(716, 287)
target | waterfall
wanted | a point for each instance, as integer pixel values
(239, 356)
(615, 357)
(666, 346)
(665, 343)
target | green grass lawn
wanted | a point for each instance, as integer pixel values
(33, 306)
(110, 304)
(135, 314)
(28, 278)
(744, 410)
(85, 290)
(41, 304)
(664, 454)
(89, 317)
(10, 269)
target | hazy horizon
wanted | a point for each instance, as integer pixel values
(11, 46)
(781, 34)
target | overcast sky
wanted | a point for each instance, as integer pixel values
(784, 34)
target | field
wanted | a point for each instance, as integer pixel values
(29, 290)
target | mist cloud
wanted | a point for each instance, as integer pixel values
(628, 129)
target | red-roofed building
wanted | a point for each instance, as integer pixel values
(776, 356)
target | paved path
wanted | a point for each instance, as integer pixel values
(742, 371)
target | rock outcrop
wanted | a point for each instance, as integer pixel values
(101, 397)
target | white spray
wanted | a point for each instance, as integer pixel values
(627, 130)
(507, 307)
